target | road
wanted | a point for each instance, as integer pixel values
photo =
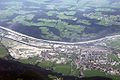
(18, 37)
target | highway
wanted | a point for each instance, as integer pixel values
(18, 37)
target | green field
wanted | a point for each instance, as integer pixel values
(66, 69)
(114, 44)
(3, 51)
(67, 20)
(91, 73)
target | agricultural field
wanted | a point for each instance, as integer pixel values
(65, 69)
(69, 21)
(90, 73)
(3, 51)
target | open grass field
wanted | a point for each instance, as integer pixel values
(91, 73)
(3, 51)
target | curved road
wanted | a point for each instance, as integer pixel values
(58, 42)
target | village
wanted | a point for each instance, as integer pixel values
(83, 56)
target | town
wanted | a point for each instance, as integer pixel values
(84, 55)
